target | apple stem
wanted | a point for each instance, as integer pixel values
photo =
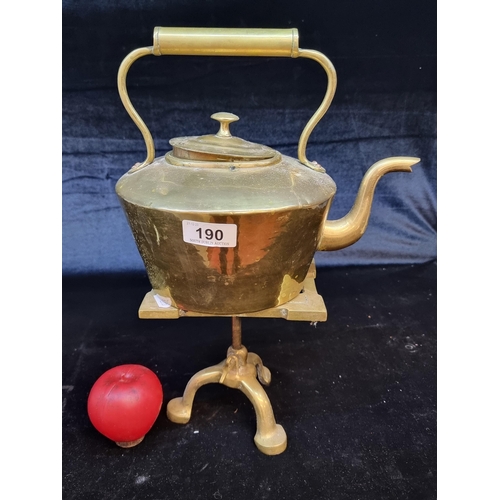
(129, 444)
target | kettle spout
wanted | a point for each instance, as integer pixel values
(344, 232)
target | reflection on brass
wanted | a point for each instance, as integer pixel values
(240, 370)
(307, 306)
(264, 270)
(278, 212)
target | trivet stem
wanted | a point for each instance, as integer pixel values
(236, 332)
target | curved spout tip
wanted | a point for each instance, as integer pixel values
(394, 164)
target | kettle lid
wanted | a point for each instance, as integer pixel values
(221, 146)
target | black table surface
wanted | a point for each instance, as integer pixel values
(356, 394)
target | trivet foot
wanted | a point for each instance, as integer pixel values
(273, 444)
(270, 437)
(179, 409)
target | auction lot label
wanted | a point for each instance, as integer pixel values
(208, 234)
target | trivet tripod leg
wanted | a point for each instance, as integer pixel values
(270, 437)
(179, 409)
(239, 370)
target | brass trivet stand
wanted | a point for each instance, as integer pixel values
(241, 369)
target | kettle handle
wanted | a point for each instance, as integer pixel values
(252, 42)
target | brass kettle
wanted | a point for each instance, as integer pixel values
(225, 226)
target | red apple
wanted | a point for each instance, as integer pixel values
(124, 403)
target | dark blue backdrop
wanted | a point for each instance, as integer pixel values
(385, 105)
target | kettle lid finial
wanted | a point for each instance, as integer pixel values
(221, 147)
(225, 119)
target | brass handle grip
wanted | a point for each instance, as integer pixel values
(227, 42)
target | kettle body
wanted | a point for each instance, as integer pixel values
(225, 226)
(226, 239)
